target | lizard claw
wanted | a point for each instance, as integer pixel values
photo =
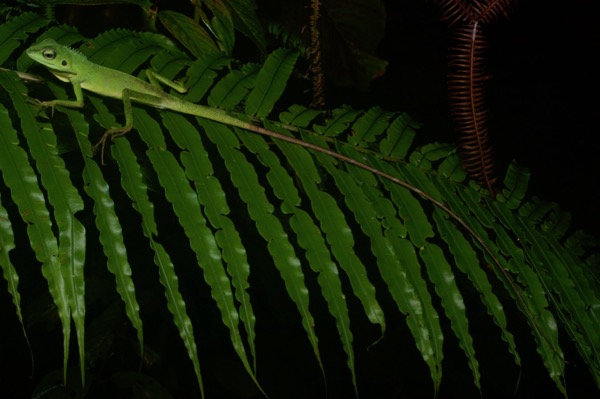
(42, 104)
(109, 134)
(100, 144)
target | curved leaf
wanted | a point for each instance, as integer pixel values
(220, 25)
(195, 38)
(234, 87)
(370, 125)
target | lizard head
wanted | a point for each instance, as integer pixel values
(54, 56)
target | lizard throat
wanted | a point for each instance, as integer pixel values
(62, 75)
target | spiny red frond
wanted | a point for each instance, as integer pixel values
(466, 81)
(466, 91)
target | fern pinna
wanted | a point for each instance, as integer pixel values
(345, 218)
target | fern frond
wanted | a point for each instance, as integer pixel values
(338, 122)
(469, 11)
(221, 24)
(127, 52)
(202, 240)
(7, 244)
(466, 258)
(107, 221)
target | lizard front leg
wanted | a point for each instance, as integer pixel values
(77, 103)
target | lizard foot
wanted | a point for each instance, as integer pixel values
(109, 134)
(42, 105)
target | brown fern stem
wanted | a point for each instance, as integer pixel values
(314, 54)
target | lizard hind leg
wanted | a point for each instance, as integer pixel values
(155, 79)
(110, 134)
(117, 131)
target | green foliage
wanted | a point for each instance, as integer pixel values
(242, 205)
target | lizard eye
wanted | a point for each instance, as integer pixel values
(49, 54)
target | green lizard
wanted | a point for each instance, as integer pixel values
(70, 65)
